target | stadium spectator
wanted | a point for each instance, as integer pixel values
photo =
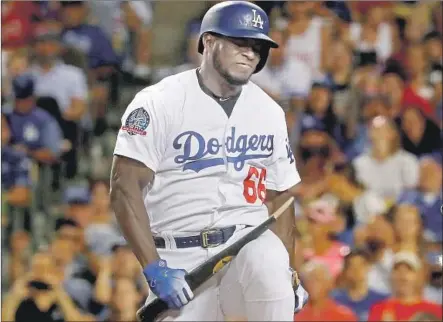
(320, 247)
(102, 60)
(356, 294)
(341, 21)
(427, 197)
(314, 155)
(340, 76)
(308, 37)
(191, 57)
(80, 290)
(65, 83)
(34, 131)
(318, 282)
(20, 254)
(39, 295)
(433, 49)
(393, 78)
(276, 78)
(125, 301)
(416, 67)
(433, 291)
(101, 233)
(78, 205)
(371, 107)
(89, 39)
(320, 107)
(17, 24)
(420, 134)
(408, 229)
(16, 168)
(122, 264)
(373, 34)
(406, 299)
(128, 25)
(386, 169)
(377, 237)
(61, 90)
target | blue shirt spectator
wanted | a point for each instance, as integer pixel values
(356, 294)
(320, 109)
(360, 307)
(428, 197)
(31, 126)
(15, 169)
(89, 39)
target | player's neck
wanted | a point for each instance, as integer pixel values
(216, 83)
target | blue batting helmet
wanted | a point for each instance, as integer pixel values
(238, 19)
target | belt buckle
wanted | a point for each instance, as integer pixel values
(205, 239)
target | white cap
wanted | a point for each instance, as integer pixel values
(407, 258)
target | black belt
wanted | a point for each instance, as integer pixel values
(207, 239)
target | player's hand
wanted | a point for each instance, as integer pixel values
(168, 284)
(301, 295)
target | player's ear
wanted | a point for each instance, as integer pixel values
(208, 40)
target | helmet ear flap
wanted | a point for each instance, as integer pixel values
(264, 53)
(200, 45)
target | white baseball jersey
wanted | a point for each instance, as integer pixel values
(211, 171)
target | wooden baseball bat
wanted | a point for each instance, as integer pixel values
(196, 277)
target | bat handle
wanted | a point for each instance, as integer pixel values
(148, 313)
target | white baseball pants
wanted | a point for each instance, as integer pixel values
(256, 285)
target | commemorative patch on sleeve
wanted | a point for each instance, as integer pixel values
(137, 122)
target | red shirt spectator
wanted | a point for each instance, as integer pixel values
(331, 311)
(405, 302)
(395, 310)
(17, 23)
(411, 98)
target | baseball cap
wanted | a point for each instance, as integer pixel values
(407, 258)
(77, 195)
(23, 86)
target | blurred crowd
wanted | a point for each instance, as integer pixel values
(361, 86)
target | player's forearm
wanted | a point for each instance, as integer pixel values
(130, 211)
(284, 227)
(134, 222)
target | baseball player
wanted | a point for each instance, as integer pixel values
(196, 160)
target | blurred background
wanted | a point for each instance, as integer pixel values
(361, 85)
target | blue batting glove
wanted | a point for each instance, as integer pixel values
(168, 284)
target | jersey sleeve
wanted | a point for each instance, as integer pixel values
(142, 136)
(282, 174)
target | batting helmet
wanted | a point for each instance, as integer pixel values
(238, 19)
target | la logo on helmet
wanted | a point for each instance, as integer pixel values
(257, 21)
